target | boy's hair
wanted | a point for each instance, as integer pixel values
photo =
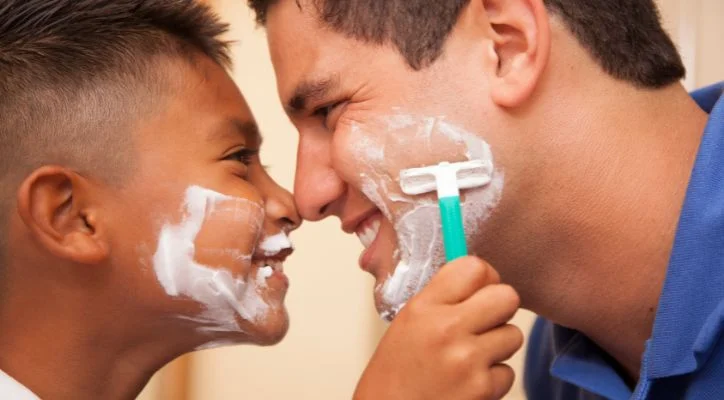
(76, 75)
(624, 36)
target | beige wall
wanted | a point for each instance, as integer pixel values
(334, 327)
(696, 27)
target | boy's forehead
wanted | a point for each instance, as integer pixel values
(233, 128)
(205, 106)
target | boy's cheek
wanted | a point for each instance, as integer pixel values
(229, 234)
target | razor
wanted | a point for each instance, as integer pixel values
(448, 179)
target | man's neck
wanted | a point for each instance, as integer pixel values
(612, 226)
(71, 351)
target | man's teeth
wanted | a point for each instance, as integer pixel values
(368, 233)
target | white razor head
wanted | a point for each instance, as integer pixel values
(466, 175)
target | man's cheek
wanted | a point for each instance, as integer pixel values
(353, 153)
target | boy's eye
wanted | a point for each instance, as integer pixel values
(244, 156)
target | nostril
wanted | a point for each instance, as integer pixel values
(287, 222)
(323, 210)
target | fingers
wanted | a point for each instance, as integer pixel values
(501, 377)
(500, 344)
(491, 306)
(460, 279)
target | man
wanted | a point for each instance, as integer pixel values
(138, 221)
(604, 207)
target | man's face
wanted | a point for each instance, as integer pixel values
(204, 220)
(363, 116)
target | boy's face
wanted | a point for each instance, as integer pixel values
(201, 231)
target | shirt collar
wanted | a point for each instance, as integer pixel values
(580, 362)
(12, 389)
(690, 316)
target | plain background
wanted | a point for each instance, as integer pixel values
(334, 326)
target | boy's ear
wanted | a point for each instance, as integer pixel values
(56, 206)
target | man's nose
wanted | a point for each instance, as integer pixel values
(317, 185)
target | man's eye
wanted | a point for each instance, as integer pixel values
(244, 156)
(325, 112)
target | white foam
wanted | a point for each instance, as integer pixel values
(274, 245)
(223, 296)
(264, 274)
(417, 218)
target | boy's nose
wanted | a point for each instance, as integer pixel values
(280, 209)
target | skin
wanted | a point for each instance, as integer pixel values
(593, 189)
(79, 277)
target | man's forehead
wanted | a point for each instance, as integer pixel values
(298, 46)
(293, 16)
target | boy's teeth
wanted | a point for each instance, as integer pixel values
(275, 266)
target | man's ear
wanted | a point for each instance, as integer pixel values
(56, 206)
(520, 46)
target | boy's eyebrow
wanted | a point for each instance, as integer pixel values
(310, 92)
(246, 129)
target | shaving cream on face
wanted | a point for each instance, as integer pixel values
(275, 244)
(223, 296)
(416, 219)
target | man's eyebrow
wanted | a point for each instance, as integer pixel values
(236, 127)
(310, 92)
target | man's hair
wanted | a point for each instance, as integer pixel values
(76, 75)
(624, 36)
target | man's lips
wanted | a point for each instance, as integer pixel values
(351, 225)
(369, 229)
(368, 232)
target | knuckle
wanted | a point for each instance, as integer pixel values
(461, 359)
(493, 387)
(485, 387)
(478, 271)
(488, 392)
(517, 336)
(508, 295)
(416, 309)
(447, 329)
(509, 379)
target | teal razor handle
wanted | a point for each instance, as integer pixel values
(453, 231)
(447, 179)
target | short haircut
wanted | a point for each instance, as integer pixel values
(625, 37)
(76, 75)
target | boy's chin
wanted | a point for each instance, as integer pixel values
(266, 332)
(272, 329)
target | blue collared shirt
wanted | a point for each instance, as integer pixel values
(684, 358)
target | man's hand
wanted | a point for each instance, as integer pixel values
(450, 341)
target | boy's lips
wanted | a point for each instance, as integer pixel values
(271, 271)
(273, 260)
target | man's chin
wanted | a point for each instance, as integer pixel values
(387, 311)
